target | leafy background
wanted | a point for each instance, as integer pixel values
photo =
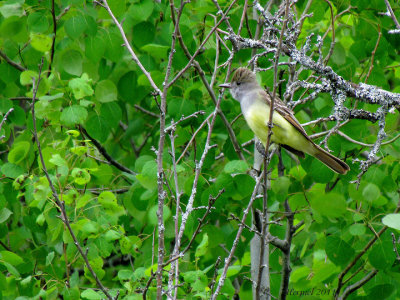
(92, 84)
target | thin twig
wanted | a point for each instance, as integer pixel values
(193, 137)
(333, 42)
(12, 63)
(359, 255)
(358, 284)
(238, 235)
(154, 115)
(395, 247)
(103, 152)
(53, 43)
(4, 120)
(180, 73)
(373, 54)
(390, 10)
(128, 46)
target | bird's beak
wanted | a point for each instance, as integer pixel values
(225, 85)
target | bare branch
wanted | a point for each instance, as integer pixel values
(4, 120)
(391, 13)
(103, 152)
(128, 46)
(12, 63)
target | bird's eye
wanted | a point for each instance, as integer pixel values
(238, 83)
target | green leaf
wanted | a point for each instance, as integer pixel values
(141, 11)
(81, 176)
(112, 235)
(126, 245)
(81, 86)
(11, 258)
(97, 127)
(125, 274)
(11, 170)
(51, 97)
(38, 22)
(327, 204)
(145, 34)
(202, 247)
(338, 251)
(12, 8)
(112, 113)
(94, 48)
(113, 44)
(41, 42)
(371, 192)
(79, 150)
(126, 85)
(381, 291)
(236, 166)
(392, 221)
(281, 185)
(157, 51)
(72, 62)
(152, 215)
(106, 91)
(72, 115)
(5, 213)
(357, 229)
(322, 271)
(19, 152)
(49, 258)
(178, 107)
(318, 171)
(118, 7)
(26, 77)
(91, 295)
(57, 160)
(108, 200)
(75, 26)
(382, 256)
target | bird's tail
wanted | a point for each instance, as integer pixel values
(334, 163)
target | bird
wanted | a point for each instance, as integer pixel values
(286, 130)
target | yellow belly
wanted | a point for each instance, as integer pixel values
(257, 117)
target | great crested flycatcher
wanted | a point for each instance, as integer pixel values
(286, 130)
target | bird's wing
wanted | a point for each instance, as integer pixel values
(281, 108)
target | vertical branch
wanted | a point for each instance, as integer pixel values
(53, 16)
(373, 53)
(160, 170)
(266, 163)
(245, 6)
(286, 269)
(333, 34)
(392, 15)
(4, 120)
(199, 166)
(263, 259)
(217, 38)
(174, 273)
(238, 235)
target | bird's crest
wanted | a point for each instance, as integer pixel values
(243, 75)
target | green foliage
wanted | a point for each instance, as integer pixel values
(92, 83)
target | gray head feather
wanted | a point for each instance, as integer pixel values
(243, 82)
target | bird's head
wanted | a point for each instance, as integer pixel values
(243, 80)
